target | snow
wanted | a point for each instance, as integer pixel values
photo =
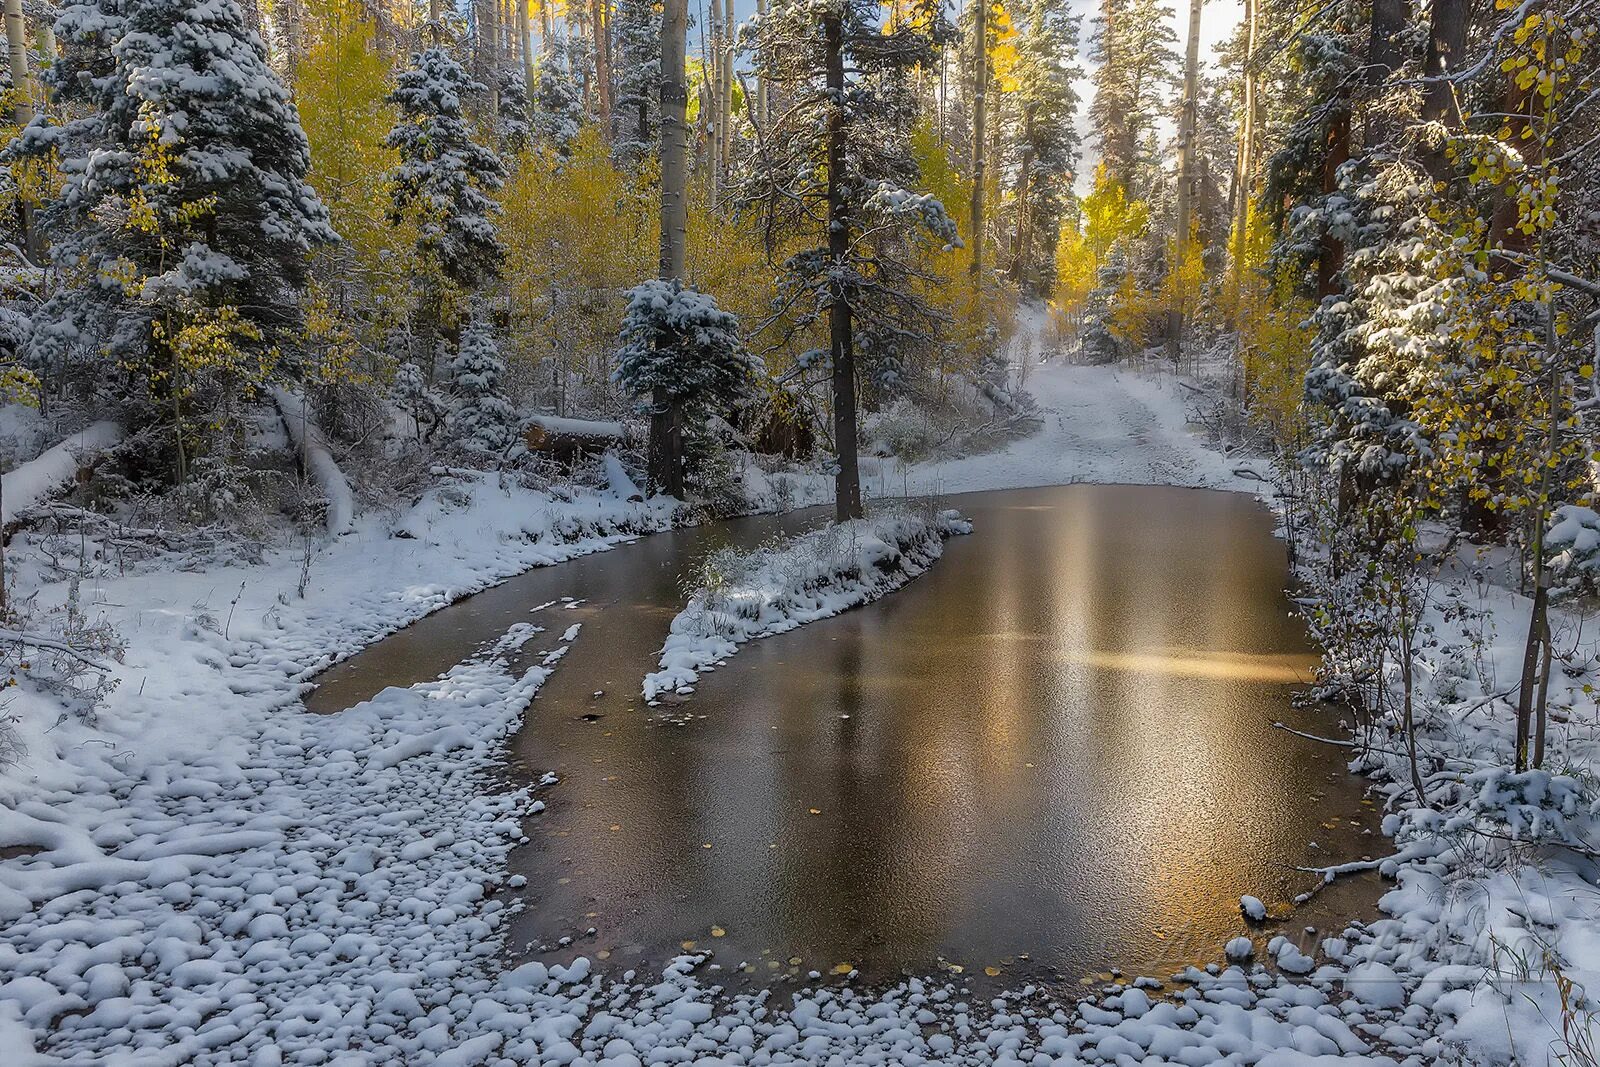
(319, 462)
(1100, 425)
(775, 589)
(579, 427)
(35, 481)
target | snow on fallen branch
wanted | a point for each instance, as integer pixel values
(776, 588)
(19, 637)
(37, 480)
(319, 462)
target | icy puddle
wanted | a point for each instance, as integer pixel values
(1049, 757)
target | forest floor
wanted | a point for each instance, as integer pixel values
(200, 872)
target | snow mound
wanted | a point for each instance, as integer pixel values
(777, 588)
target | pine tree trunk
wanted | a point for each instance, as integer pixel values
(602, 62)
(1243, 191)
(847, 485)
(1330, 253)
(725, 61)
(1186, 177)
(761, 81)
(1019, 243)
(1383, 59)
(666, 424)
(489, 35)
(980, 95)
(1447, 42)
(21, 112)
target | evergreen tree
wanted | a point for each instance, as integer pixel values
(677, 347)
(637, 112)
(443, 186)
(482, 419)
(413, 395)
(1045, 149)
(514, 131)
(558, 102)
(1136, 50)
(185, 219)
(836, 169)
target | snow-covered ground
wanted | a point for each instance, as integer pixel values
(203, 873)
(1100, 424)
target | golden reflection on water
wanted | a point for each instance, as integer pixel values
(1056, 743)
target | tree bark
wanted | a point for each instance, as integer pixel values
(1243, 191)
(665, 452)
(725, 65)
(525, 32)
(761, 81)
(602, 61)
(1019, 243)
(489, 34)
(1447, 41)
(980, 94)
(1330, 254)
(847, 484)
(21, 113)
(1186, 175)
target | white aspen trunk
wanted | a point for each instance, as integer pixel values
(525, 32)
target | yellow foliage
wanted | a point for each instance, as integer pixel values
(340, 86)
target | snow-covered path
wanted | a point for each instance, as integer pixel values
(1099, 425)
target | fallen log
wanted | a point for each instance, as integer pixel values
(53, 472)
(567, 439)
(317, 460)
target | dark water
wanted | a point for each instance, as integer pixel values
(1050, 756)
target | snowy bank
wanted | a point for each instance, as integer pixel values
(775, 588)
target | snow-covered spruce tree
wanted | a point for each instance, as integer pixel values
(183, 226)
(1045, 149)
(443, 185)
(834, 168)
(482, 419)
(678, 347)
(413, 395)
(557, 100)
(637, 111)
(514, 129)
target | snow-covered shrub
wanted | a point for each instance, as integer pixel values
(736, 596)
(1528, 806)
(902, 429)
(1098, 346)
(1574, 541)
(483, 419)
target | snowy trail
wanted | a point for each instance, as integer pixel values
(1100, 425)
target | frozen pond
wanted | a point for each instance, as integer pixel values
(1050, 756)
